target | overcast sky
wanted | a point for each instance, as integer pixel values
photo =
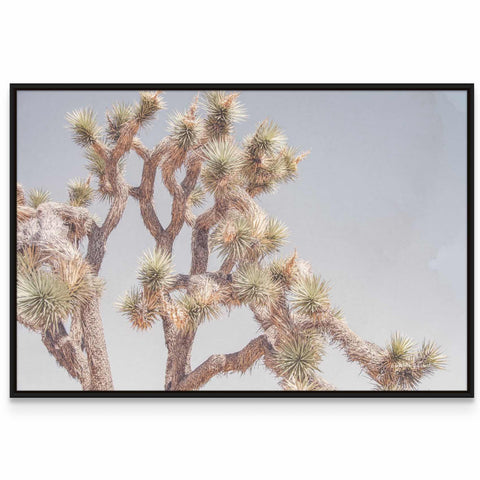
(379, 209)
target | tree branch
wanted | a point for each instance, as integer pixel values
(239, 361)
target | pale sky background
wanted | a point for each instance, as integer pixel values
(379, 209)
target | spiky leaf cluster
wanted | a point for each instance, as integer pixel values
(284, 270)
(264, 173)
(403, 368)
(254, 285)
(156, 270)
(84, 127)
(297, 356)
(96, 166)
(29, 260)
(37, 196)
(223, 110)
(268, 139)
(430, 357)
(80, 193)
(221, 166)
(81, 282)
(303, 385)
(197, 197)
(241, 237)
(400, 348)
(203, 303)
(185, 130)
(150, 103)
(43, 299)
(117, 118)
(310, 295)
(140, 307)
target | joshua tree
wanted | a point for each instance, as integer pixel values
(290, 303)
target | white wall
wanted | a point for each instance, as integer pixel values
(315, 42)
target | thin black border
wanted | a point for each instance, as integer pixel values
(468, 87)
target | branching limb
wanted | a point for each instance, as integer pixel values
(68, 354)
(239, 361)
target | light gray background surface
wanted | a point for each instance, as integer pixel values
(379, 209)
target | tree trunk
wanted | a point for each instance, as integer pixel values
(96, 348)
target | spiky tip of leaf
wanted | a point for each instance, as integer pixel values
(81, 282)
(203, 303)
(297, 356)
(274, 236)
(248, 237)
(431, 356)
(150, 103)
(185, 130)
(233, 238)
(254, 285)
(284, 271)
(400, 348)
(156, 270)
(84, 127)
(37, 196)
(117, 118)
(223, 110)
(294, 384)
(80, 193)
(267, 140)
(221, 166)
(197, 197)
(310, 295)
(43, 299)
(141, 308)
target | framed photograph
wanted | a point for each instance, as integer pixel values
(242, 240)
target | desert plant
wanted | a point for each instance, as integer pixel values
(291, 304)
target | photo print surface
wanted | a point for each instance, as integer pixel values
(297, 241)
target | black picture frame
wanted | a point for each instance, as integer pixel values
(468, 393)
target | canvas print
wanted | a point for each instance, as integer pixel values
(306, 241)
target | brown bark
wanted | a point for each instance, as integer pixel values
(239, 361)
(68, 354)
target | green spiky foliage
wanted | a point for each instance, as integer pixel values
(83, 285)
(264, 173)
(156, 270)
(140, 307)
(253, 237)
(197, 197)
(223, 110)
(273, 236)
(303, 385)
(145, 110)
(29, 260)
(284, 270)
(43, 299)
(96, 164)
(254, 285)
(80, 193)
(310, 295)
(117, 118)
(268, 139)
(185, 129)
(37, 196)
(297, 356)
(203, 303)
(233, 238)
(84, 127)
(221, 166)
(430, 358)
(400, 348)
